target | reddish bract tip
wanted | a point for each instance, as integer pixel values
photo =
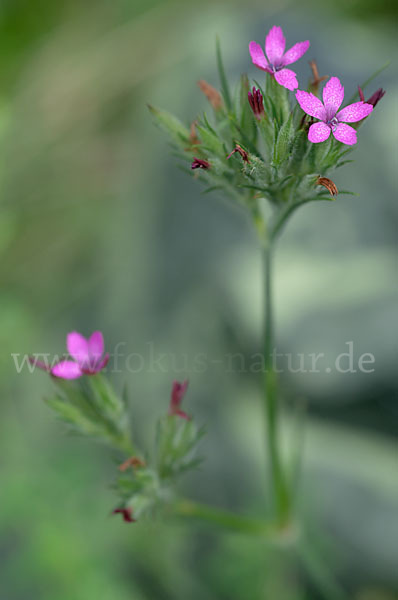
(376, 97)
(240, 151)
(177, 394)
(126, 513)
(198, 163)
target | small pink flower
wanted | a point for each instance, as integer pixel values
(88, 354)
(127, 514)
(275, 58)
(177, 395)
(330, 118)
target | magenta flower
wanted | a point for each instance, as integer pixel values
(276, 58)
(177, 395)
(88, 354)
(329, 119)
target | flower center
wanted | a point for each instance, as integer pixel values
(333, 123)
(276, 67)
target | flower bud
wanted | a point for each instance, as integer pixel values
(256, 102)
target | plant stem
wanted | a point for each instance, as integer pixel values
(280, 492)
(224, 518)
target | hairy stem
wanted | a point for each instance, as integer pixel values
(280, 491)
(224, 518)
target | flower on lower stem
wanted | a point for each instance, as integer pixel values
(275, 58)
(330, 118)
(127, 514)
(199, 163)
(177, 394)
(88, 355)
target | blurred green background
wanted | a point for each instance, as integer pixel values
(99, 230)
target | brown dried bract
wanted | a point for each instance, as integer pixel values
(242, 152)
(193, 137)
(316, 79)
(328, 184)
(211, 94)
(133, 462)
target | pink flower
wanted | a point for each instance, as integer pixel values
(88, 354)
(329, 119)
(276, 58)
(177, 395)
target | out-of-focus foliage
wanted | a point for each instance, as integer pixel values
(99, 230)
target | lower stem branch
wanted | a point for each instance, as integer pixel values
(224, 518)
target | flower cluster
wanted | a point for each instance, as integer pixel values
(267, 144)
(95, 410)
(331, 120)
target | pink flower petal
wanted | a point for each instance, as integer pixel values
(318, 132)
(67, 369)
(77, 347)
(295, 52)
(311, 105)
(96, 345)
(354, 112)
(345, 134)
(287, 79)
(257, 55)
(103, 363)
(333, 96)
(275, 45)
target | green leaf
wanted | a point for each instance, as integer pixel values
(247, 119)
(211, 142)
(348, 193)
(171, 125)
(223, 79)
(284, 141)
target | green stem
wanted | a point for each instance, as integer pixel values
(224, 518)
(280, 491)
